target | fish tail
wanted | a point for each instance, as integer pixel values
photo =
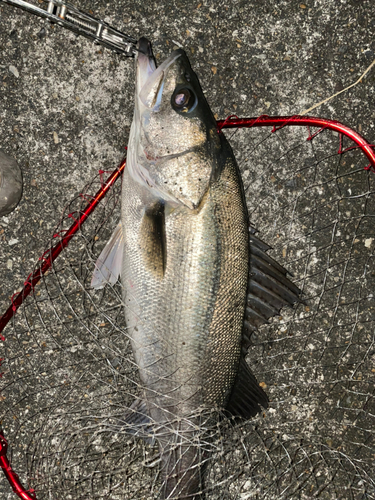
(183, 468)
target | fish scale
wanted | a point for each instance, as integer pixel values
(201, 282)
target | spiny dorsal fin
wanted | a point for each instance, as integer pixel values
(269, 289)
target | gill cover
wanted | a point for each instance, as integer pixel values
(174, 145)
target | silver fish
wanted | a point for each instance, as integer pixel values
(196, 280)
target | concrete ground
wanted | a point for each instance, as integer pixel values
(65, 112)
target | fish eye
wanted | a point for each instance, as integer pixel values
(183, 100)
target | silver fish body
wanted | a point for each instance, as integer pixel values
(185, 280)
(193, 290)
(184, 275)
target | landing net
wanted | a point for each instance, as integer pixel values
(69, 374)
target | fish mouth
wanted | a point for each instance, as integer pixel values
(150, 78)
(146, 64)
(150, 84)
(144, 47)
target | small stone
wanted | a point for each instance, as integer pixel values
(14, 71)
(55, 138)
(368, 242)
(13, 241)
(42, 33)
(9, 264)
(10, 184)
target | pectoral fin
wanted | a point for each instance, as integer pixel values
(152, 240)
(108, 265)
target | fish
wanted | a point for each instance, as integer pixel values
(196, 279)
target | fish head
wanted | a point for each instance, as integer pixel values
(174, 144)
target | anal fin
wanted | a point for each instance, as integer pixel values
(137, 422)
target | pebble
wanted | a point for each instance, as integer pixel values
(14, 71)
(9, 264)
(10, 184)
(55, 138)
(13, 241)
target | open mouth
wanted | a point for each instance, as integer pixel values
(150, 79)
(146, 63)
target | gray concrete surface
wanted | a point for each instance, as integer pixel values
(65, 112)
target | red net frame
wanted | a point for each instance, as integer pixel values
(79, 219)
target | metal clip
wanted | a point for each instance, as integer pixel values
(81, 23)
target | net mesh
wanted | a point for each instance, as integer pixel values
(69, 374)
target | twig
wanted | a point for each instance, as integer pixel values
(341, 91)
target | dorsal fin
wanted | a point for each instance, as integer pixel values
(269, 289)
(247, 395)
